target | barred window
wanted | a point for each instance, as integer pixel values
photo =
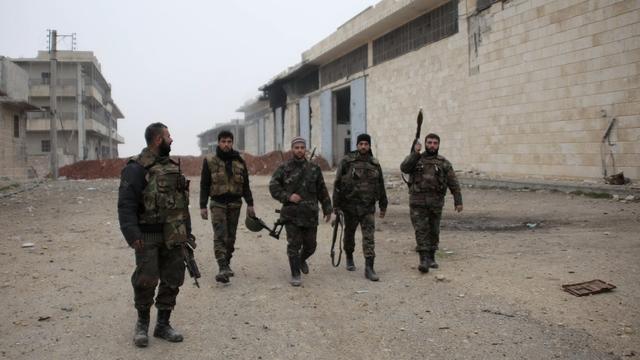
(16, 126)
(344, 66)
(45, 145)
(433, 26)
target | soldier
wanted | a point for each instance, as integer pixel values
(153, 202)
(225, 179)
(298, 184)
(430, 174)
(358, 185)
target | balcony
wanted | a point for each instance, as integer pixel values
(66, 88)
(68, 122)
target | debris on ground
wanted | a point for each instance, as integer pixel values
(588, 287)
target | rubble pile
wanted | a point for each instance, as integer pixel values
(190, 165)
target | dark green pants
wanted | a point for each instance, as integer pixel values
(224, 219)
(157, 262)
(301, 241)
(367, 227)
(426, 223)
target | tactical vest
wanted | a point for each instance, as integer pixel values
(221, 183)
(166, 194)
(361, 179)
(302, 181)
(429, 176)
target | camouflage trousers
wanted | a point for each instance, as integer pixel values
(224, 219)
(301, 241)
(156, 262)
(367, 227)
(426, 223)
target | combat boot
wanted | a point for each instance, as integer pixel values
(369, 273)
(223, 276)
(424, 262)
(294, 263)
(432, 259)
(304, 267)
(228, 270)
(351, 266)
(164, 330)
(141, 337)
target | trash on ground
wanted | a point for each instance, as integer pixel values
(588, 287)
(28, 245)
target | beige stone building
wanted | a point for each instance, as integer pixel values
(14, 105)
(518, 88)
(88, 115)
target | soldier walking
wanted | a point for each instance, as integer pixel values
(430, 175)
(358, 185)
(298, 184)
(225, 180)
(153, 201)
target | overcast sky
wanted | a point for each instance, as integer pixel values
(189, 64)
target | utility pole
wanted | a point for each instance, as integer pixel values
(53, 104)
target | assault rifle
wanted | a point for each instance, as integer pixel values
(189, 245)
(189, 260)
(338, 227)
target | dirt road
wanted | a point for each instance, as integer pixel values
(499, 296)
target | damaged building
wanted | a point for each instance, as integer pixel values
(88, 115)
(539, 88)
(14, 107)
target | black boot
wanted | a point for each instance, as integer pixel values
(223, 268)
(369, 273)
(294, 263)
(432, 259)
(228, 270)
(164, 330)
(304, 267)
(424, 262)
(141, 337)
(351, 266)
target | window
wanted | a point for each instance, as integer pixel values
(16, 126)
(45, 145)
(433, 26)
(344, 66)
(45, 78)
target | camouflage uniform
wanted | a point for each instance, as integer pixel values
(225, 180)
(430, 176)
(161, 209)
(358, 185)
(301, 220)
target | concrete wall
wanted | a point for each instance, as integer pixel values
(13, 154)
(290, 124)
(269, 132)
(13, 80)
(546, 72)
(251, 138)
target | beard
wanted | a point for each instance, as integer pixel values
(432, 152)
(164, 148)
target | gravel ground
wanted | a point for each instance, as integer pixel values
(497, 294)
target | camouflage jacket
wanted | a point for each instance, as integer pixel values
(429, 178)
(153, 197)
(305, 179)
(359, 184)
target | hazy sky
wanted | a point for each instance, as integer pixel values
(189, 64)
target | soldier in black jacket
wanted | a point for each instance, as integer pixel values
(153, 216)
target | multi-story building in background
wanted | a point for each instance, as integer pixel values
(88, 116)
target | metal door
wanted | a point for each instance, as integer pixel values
(358, 110)
(326, 142)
